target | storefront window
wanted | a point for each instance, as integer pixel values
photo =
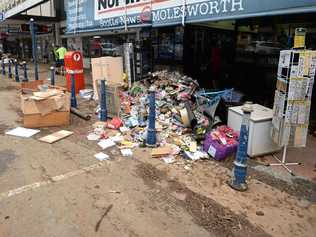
(168, 44)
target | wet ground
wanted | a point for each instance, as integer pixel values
(62, 190)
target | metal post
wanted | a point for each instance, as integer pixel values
(240, 164)
(73, 91)
(142, 111)
(103, 112)
(25, 71)
(9, 69)
(16, 70)
(34, 47)
(52, 75)
(3, 66)
(151, 131)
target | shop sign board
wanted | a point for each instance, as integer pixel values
(20, 6)
(92, 15)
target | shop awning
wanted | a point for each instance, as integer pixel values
(21, 6)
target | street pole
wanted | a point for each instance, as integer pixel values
(34, 47)
(25, 79)
(52, 75)
(9, 69)
(240, 164)
(16, 70)
(103, 111)
(73, 100)
(3, 67)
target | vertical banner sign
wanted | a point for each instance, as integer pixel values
(94, 15)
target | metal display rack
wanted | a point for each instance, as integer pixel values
(296, 73)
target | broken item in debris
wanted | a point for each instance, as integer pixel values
(221, 142)
(115, 123)
(80, 114)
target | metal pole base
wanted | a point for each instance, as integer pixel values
(238, 187)
(284, 164)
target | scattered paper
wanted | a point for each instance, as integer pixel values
(93, 137)
(196, 155)
(212, 151)
(101, 156)
(86, 94)
(22, 132)
(169, 159)
(117, 138)
(106, 143)
(126, 152)
(124, 129)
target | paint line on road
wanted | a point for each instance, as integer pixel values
(54, 179)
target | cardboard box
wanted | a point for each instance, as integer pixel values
(50, 120)
(45, 109)
(113, 101)
(32, 85)
(108, 68)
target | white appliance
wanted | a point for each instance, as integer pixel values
(259, 141)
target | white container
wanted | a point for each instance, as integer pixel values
(259, 141)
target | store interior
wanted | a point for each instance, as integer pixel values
(241, 54)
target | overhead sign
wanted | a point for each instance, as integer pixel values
(93, 15)
(19, 6)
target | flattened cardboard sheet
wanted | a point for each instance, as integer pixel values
(54, 137)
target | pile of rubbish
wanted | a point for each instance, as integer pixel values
(185, 122)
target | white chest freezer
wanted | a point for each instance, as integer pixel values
(259, 141)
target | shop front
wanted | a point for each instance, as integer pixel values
(182, 34)
(221, 43)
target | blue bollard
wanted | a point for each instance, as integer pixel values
(73, 100)
(151, 131)
(3, 67)
(52, 75)
(9, 69)
(25, 79)
(240, 164)
(16, 70)
(103, 111)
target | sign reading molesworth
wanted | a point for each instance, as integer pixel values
(93, 15)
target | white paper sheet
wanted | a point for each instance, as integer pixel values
(22, 132)
(106, 143)
(101, 156)
(126, 152)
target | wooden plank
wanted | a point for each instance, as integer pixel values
(161, 151)
(54, 137)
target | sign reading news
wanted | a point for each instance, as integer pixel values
(93, 15)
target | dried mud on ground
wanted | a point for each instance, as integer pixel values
(205, 212)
